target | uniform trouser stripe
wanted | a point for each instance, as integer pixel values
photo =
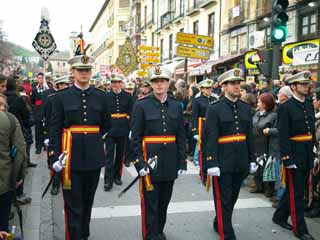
(123, 156)
(66, 221)
(292, 203)
(143, 211)
(218, 207)
(200, 127)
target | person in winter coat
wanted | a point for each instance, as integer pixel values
(11, 164)
(265, 135)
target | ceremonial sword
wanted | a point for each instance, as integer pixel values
(151, 164)
(62, 160)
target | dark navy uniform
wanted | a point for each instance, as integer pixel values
(120, 107)
(79, 120)
(199, 109)
(296, 137)
(37, 100)
(229, 146)
(157, 130)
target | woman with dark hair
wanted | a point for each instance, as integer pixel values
(265, 135)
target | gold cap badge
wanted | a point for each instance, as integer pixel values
(157, 71)
(85, 59)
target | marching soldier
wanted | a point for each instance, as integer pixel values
(199, 109)
(229, 150)
(80, 119)
(297, 138)
(60, 83)
(157, 130)
(37, 100)
(120, 106)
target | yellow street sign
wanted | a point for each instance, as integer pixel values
(141, 73)
(148, 60)
(145, 66)
(149, 54)
(190, 52)
(148, 48)
(197, 40)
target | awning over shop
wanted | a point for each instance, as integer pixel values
(205, 67)
(192, 63)
(172, 66)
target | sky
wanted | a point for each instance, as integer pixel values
(21, 19)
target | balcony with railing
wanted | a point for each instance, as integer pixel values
(206, 3)
(167, 18)
(264, 8)
(236, 16)
(194, 8)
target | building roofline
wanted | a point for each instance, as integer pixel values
(99, 15)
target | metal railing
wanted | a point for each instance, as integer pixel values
(167, 18)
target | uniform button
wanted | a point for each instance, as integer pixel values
(85, 113)
(83, 100)
(165, 144)
(235, 111)
(85, 119)
(237, 128)
(84, 106)
(162, 110)
(164, 130)
(237, 123)
(85, 133)
(163, 123)
(309, 132)
(83, 95)
(307, 122)
(163, 117)
(235, 117)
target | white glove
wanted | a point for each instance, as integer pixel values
(316, 162)
(129, 136)
(196, 137)
(253, 167)
(181, 172)
(292, 166)
(144, 172)
(57, 166)
(46, 142)
(215, 171)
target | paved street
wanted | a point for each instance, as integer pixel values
(190, 213)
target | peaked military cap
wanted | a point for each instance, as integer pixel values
(207, 83)
(116, 77)
(129, 85)
(159, 73)
(231, 75)
(81, 62)
(63, 79)
(301, 77)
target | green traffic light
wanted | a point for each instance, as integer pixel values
(279, 34)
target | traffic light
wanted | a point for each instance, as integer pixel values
(279, 21)
(265, 63)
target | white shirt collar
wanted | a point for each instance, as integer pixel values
(298, 99)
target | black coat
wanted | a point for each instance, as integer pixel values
(296, 118)
(37, 101)
(119, 103)
(152, 118)
(226, 118)
(199, 109)
(75, 107)
(18, 107)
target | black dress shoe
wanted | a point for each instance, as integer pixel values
(306, 237)
(118, 181)
(107, 186)
(284, 225)
(30, 164)
(54, 191)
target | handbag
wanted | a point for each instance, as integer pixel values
(269, 172)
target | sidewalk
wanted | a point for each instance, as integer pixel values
(37, 216)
